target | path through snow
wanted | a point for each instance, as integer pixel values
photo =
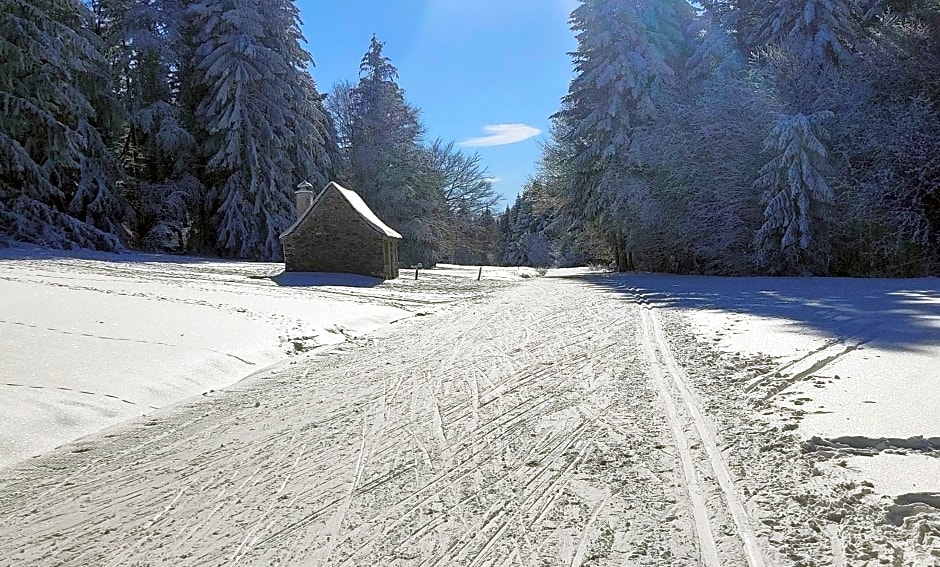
(555, 421)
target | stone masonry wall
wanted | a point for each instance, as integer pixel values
(334, 238)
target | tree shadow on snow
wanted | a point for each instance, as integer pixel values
(901, 314)
(318, 279)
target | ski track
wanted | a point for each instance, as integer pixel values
(548, 424)
(712, 494)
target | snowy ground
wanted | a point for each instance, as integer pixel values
(90, 340)
(581, 419)
(857, 362)
(838, 381)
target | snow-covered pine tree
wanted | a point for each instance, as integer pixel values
(56, 115)
(317, 149)
(573, 238)
(258, 106)
(488, 249)
(505, 235)
(795, 193)
(627, 67)
(611, 90)
(383, 126)
(715, 50)
(156, 148)
(534, 232)
(736, 17)
(816, 31)
(629, 56)
(144, 50)
(387, 164)
(667, 24)
(523, 224)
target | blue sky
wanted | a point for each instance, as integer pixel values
(481, 71)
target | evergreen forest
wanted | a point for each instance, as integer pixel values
(717, 137)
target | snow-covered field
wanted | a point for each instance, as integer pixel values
(88, 340)
(581, 419)
(856, 361)
(846, 372)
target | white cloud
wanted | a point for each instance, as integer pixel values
(502, 134)
(493, 179)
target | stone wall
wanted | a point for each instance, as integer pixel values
(334, 238)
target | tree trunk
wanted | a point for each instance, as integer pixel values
(623, 260)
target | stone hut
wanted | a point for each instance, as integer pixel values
(337, 232)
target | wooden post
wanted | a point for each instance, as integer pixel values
(480, 273)
(416, 273)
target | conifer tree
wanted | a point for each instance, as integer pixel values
(714, 51)
(674, 187)
(628, 66)
(56, 117)
(817, 31)
(795, 191)
(387, 164)
(384, 128)
(156, 147)
(611, 89)
(259, 105)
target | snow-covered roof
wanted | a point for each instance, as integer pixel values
(365, 212)
(358, 205)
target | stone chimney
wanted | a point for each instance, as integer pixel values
(303, 197)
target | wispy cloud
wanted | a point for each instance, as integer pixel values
(502, 134)
(493, 179)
